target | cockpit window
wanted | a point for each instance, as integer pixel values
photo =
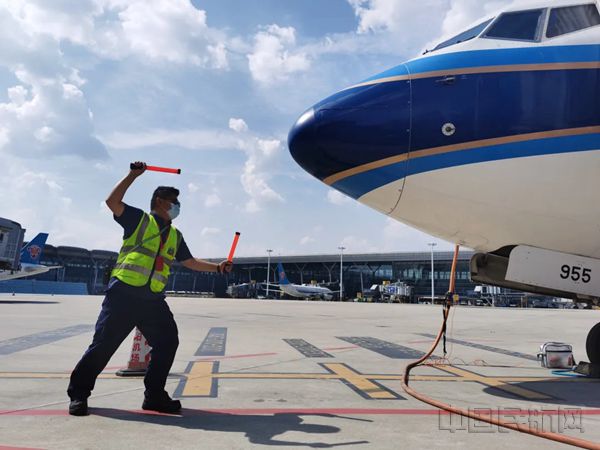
(464, 36)
(520, 25)
(572, 18)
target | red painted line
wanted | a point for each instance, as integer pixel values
(352, 411)
(214, 358)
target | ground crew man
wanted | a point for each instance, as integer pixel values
(135, 295)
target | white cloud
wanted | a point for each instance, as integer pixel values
(46, 113)
(377, 15)
(238, 125)
(256, 173)
(337, 198)
(189, 139)
(255, 185)
(405, 16)
(44, 199)
(206, 231)
(48, 117)
(209, 200)
(212, 200)
(155, 30)
(55, 19)
(405, 27)
(170, 30)
(260, 153)
(218, 54)
(44, 134)
(274, 56)
(307, 240)
(3, 137)
(269, 147)
(18, 95)
(464, 13)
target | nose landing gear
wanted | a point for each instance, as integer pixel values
(592, 346)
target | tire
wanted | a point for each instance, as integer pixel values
(592, 344)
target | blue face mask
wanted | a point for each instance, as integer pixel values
(174, 210)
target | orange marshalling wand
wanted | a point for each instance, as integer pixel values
(233, 246)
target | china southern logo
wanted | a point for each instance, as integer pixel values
(34, 251)
(282, 274)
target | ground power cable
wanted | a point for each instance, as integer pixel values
(563, 439)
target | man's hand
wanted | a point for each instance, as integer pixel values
(225, 266)
(115, 199)
(137, 168)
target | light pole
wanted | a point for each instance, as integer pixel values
(341, 249)
(432, 244)
(269, 251)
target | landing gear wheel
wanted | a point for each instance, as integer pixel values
(592, 344)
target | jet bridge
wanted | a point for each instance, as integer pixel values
(11, 241)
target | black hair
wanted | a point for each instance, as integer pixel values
(166, 192)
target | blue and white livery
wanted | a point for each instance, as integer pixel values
(490, 140)
(302, 290)
(29, 265)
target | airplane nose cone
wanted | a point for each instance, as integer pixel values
(302, 142)
(347, 133)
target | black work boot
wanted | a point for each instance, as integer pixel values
(161, 403)
(78, 407)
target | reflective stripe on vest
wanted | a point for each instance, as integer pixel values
(137, 258)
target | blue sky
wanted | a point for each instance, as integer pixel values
(209, 86)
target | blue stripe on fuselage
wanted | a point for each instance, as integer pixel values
(358, 185)
(367, 123)
(495, 57)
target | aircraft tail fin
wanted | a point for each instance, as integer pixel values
(32, 252)
(283, 280)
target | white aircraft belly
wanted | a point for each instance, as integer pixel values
(548, 201)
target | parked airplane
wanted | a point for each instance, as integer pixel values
(301, 290)
(490, 140)
(30, 260)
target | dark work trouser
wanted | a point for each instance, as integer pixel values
(120, 313)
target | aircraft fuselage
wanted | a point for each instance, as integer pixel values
(487, 143)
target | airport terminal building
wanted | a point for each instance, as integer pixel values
(89, 269)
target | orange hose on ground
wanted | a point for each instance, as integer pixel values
(453, 270)
(563, 439)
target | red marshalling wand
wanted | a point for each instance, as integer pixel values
(133, 166)
(233, 246)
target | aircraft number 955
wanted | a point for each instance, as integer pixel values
(576, 273)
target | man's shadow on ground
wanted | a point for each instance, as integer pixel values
(259, 429)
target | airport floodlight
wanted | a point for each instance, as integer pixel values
(432, 244)
(269, 251)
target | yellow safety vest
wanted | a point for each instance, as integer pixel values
(140, 251)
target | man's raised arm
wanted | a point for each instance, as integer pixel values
(115, 199)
